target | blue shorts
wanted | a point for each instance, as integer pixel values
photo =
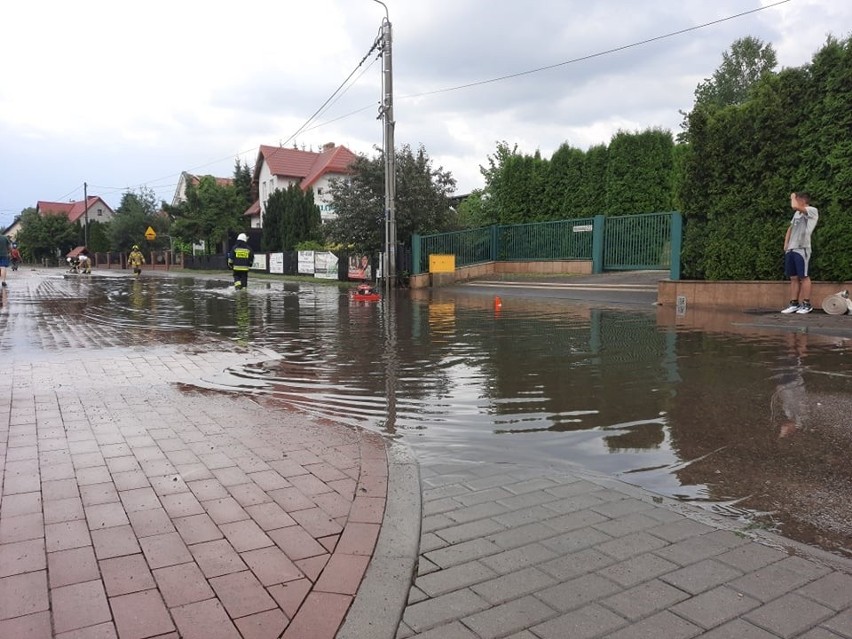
(4, 261)
(796, 264)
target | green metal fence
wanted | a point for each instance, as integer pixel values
(627, 242)
(637, 242)
(561, 240)
(470, 247)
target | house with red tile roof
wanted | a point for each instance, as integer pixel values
(278, 167)
(191, 178)
(93, 209)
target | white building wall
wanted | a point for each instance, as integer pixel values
(98, 212)
(322, 196)
(268, 183)
(180, 191)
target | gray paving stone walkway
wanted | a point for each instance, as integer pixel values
(535, 553)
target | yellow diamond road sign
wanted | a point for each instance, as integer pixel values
(150, 234)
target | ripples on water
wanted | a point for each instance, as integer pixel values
(690, 414)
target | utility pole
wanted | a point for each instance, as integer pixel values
(389, 267)
(86, 214)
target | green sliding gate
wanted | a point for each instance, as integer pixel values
(649, 241)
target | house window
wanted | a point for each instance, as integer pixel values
(100, 212)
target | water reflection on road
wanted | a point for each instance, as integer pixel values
(750, 423)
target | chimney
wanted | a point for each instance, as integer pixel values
(328, 146)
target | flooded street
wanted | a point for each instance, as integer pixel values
(753, 424)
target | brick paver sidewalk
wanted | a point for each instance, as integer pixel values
(533, 553)
(136, 505)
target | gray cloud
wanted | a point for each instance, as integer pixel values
(206, 118)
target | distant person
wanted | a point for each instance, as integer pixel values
(15, 256)
(135, 260)
(240, 259)
(5, 247)
(797, 252)
(84, 263)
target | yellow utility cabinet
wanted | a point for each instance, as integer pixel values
(442, 263)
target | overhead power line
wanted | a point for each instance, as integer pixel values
(331, 100)
(599, 54)
(299, 130)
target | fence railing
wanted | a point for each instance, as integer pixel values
(636, 242)
(627, 242)
(560, 240)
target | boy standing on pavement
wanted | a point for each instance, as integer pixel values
(797, 252)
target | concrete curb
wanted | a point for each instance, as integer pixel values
(383, 595)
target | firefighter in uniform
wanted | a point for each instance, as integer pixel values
(240, 259)
(135, 260)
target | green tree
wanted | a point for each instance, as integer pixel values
(212, 212)
(46, 236)
(473, 211)
(99, 241)
(567, 175)
(242, 183)
(422, 204)
(639, 170)
(743, 66)
(291, 218)
(134, 214)
(496, 194)
(591, 196)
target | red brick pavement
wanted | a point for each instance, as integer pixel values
(136, 506)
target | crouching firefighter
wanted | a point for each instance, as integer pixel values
(240, 259)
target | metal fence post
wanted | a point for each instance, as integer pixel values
(415, 254)
(598, 244)
(676, 244)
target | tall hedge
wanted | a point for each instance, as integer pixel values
(743, 161)
(731, 175)
(638, 173)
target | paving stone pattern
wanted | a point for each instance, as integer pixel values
(134, 504)
(529, 553)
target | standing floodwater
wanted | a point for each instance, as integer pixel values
(749, 423)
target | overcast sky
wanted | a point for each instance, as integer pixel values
(123, 95)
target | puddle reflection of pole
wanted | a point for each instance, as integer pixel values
(391, 363)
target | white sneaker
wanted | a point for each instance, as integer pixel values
(804, 307)
(793, 308)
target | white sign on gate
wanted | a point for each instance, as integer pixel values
(276, 263)
(259, 263)
(325, 265)
(306, 262)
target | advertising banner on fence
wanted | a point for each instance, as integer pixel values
(359, 267)
(259, 263)
(325, 265)
(306, 262)
(276, 263)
